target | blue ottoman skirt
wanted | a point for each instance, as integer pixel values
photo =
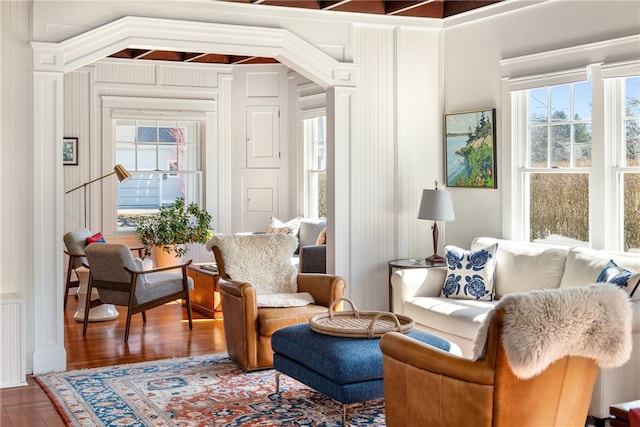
(348, 370)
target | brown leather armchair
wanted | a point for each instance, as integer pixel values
(248, 328)
(425, 386)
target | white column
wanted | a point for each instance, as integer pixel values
(340, 103)
(49, 353)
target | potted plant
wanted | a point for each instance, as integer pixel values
(172, 227)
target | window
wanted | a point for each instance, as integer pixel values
(164, 160)
(572, 185)
(316, 157)
(628, 172)
(556, 172)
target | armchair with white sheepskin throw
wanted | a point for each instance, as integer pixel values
(535, 362)
(262, 292)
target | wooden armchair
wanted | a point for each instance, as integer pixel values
(528, 371)
(122, 280)
(253, 269)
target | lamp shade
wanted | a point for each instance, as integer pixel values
(436, 205)
(121, 173)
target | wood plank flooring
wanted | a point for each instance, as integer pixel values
(166, 334)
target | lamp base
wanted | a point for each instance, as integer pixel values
(436, 260)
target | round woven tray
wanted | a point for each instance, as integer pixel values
(359, 324)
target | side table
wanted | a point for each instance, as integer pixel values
(623, 415)
(205, 296)
(404, 263)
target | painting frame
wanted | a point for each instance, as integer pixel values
(70, 151)
(470, 149)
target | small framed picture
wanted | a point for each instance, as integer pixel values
(70, 151)
(470, 148)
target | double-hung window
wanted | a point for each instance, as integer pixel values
(623, 113)
(163, 158)
(315, 141)
(557, 162)
(577, 151)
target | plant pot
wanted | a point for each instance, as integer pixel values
(162, 258)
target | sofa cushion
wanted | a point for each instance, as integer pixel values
(460, 317)
(309, 231)
(470, 273)
(522, 266)
(585, 264)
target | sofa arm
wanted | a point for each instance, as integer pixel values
(415, 282)
(313, 259)
(324, 288)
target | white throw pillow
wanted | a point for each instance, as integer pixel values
(470, 273)
(289, 227)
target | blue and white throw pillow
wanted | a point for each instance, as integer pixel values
(470, 274)
(625, 279)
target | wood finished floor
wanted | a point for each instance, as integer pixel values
(166, 334)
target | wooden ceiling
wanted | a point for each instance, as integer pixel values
(418, 9)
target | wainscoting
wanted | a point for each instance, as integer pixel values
(12, 329)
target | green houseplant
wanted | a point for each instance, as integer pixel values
(173, 226)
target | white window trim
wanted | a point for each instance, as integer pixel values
(555, 67)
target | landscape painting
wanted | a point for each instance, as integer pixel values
(470, 149)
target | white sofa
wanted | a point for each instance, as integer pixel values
(520, 267)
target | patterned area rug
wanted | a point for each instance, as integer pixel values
(207, 390)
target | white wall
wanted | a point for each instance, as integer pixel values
(472, 51)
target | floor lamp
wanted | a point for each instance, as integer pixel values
(436, 205)
(118, 170)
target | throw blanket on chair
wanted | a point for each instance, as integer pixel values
(543, 326)
(264, 260)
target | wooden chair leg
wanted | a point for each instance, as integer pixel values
(87, 307)
(144, 317)
(128, 325)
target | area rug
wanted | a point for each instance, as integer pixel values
(207, 390)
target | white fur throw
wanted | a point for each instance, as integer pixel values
(543, 326)
(285, 300)
(264, 260)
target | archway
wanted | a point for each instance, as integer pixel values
(52, 60)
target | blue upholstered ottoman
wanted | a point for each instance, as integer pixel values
(348, 370)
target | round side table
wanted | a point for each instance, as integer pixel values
(100, 313)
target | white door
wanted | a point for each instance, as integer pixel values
(263, 136)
